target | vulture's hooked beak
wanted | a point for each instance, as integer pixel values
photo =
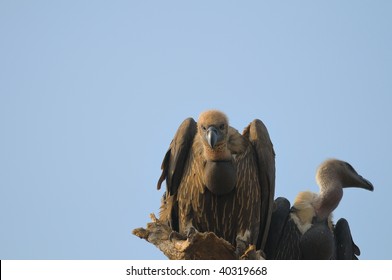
(357, 181)
(363, 183)
(212, 136)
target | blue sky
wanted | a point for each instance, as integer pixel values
(91, 94)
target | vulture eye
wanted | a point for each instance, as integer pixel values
(350, 168)
(203, 127)
(222, 127)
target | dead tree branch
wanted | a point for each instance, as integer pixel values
(201, 246)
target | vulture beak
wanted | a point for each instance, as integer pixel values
(212, 136)
(357, 181)
(364, 184)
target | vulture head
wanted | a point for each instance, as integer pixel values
(332, 176)
(334, 170)
(212, 129)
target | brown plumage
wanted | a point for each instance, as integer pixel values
(219, 180)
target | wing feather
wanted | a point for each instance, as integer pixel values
(173, 166)
(279, 218)
(346, 249)
(258, 135)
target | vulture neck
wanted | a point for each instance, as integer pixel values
(218, 153)
(331, 193)
(219, 171)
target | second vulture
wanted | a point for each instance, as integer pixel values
(305, 231)
(219, 180)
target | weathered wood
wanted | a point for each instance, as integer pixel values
(200, 246)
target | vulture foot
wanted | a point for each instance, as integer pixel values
(176, 236)
(242, 244)
(189, 234)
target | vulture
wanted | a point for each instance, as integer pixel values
(305, 231)
(218, 180)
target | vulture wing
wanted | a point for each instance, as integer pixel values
(345, 246)
(173, 168)
(279, 218)
(257, 134)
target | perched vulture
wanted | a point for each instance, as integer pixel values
(219, 180)
(306, 230)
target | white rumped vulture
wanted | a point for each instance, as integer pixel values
(305, 231)
(219, 180)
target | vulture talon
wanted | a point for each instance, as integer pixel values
(242, 244)
(176, 236)
(190, 233)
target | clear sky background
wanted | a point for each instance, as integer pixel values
(92, 92)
